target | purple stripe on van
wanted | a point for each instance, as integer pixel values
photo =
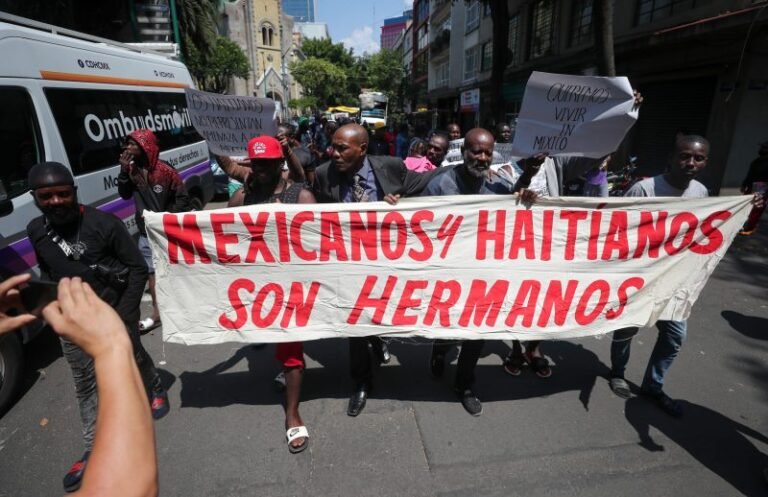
(198, 169)
(18, 256)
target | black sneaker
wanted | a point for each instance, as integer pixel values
(74, 476)
(665, 402)
(471, 403)
(620, 387)
(160, 405)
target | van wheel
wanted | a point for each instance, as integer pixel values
(196, 204)
(11, 366)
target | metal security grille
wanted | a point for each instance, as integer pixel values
(650, 10)
(581, 22)
(541, 29)
(514, 38)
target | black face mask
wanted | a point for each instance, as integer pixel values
(61, 214)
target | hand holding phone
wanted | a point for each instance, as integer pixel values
(10, 301)
(36, 294)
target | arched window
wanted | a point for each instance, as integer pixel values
(267, 34)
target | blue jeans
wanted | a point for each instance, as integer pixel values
(668, 344)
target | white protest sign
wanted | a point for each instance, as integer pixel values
(585, 116)
(453, 155)
(227, 122)
(502, 153)
(457, 267)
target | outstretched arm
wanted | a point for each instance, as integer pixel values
(124, 430)
(233, 169)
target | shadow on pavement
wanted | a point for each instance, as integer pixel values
(39, 353)
(574, 368)
(750, 326)
(717, 442)
(748, 258)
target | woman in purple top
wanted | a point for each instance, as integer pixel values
(596, 179)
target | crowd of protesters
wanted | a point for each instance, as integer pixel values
(320, 162)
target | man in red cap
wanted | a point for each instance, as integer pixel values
(154, 186)
(266, 185)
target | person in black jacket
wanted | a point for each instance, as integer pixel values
(74, 240)
(353, 176)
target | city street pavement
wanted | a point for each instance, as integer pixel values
(564, 436)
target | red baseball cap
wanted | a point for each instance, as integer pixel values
(264, 147)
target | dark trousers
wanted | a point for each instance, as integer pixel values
(468, 357)
(84, 376)
(144, 362)
(360, 361)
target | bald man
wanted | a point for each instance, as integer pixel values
(353, 176)
(472, 177)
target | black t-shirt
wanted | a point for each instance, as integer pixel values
(758, 171)
(106, 241)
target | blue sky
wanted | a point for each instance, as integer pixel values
(357, 23)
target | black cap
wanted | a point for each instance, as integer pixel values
(47, 174)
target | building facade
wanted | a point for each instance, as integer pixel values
(312, 30)
(265, 34)
(393, 28)
(300, 10)
(420, 64)
(702, 66)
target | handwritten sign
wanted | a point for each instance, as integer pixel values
(585, 116)
(227, 122)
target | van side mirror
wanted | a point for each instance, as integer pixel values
(6, 204)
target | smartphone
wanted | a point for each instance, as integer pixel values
(36, 294)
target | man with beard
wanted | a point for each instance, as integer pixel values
(265, 186)
(154, 186)
(74, 240)
(353, 176)
(473, 176)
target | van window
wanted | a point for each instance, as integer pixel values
(19, 140)
(93, 123)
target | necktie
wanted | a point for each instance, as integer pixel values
(358, 190)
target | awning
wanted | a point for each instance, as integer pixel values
(343, 108)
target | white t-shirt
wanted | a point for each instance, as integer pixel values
(658, 186)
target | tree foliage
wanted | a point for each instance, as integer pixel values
(321, 79)
(385, 71)
(197, 28)
(212, 72)
(302, 103)
(335, 53)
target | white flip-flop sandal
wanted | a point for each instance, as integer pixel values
(294, 433)
(148, 324)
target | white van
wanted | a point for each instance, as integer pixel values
(71, 98)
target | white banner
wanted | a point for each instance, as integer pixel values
(443, 267)
(584, 116)
(227, 122)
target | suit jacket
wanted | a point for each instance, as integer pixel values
(391, 177)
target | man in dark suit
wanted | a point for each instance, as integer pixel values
(353, 176)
